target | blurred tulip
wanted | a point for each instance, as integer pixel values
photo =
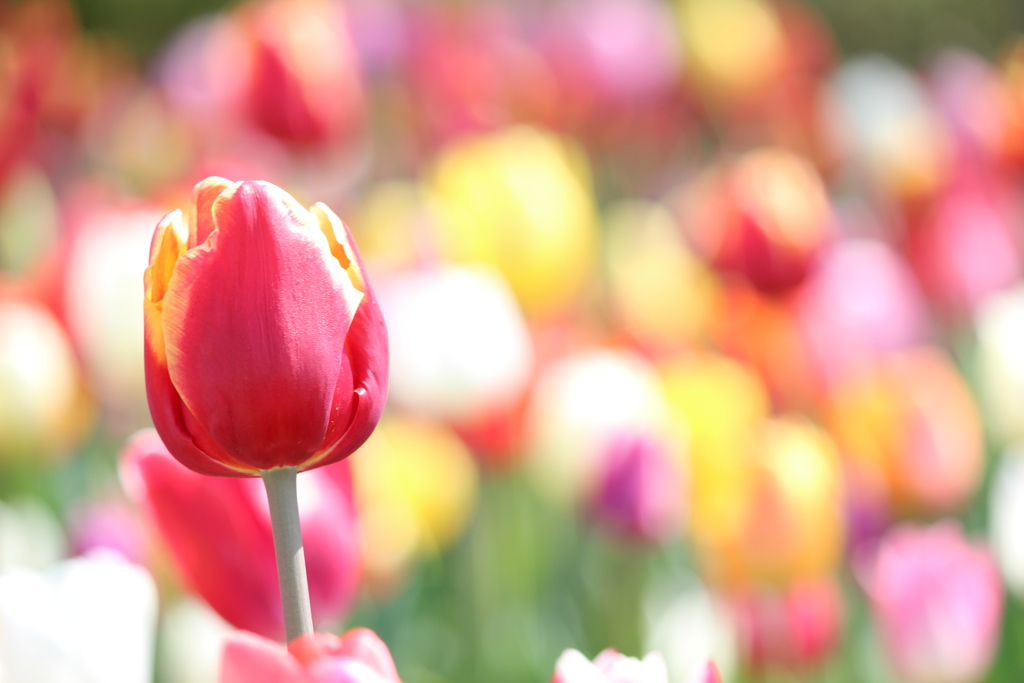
(664, 296)
(83, 620)
(690, 626)
(304, 85)
(416, 487)
(792, 629)
(609, 667)
(264, 344)
(520, 200)
(845, 326)
(764, 217)
(938, 604)
(964, 247)
(716, 406)
(580, 404)
(787, 510)
(219, 536)
(43, 408)
(105, 256)
(736, 48)
(358, 656)
(460, 349)
(910, 430)
(638, 489)
(1000, 331)
(887, 127)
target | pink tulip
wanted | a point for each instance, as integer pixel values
(938, 603)
(264, 344)
(845, 326)
(358, 656)
(638, 489)
(219, 535)
(791, 629)
(609, 667)
(964, 247)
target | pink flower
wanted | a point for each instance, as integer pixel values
(609, 667)
(219, 535)
(938, 603)
(358, 656)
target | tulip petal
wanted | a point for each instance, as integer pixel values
(255, 324)
(167, 246)
(361, 390)
(200, 223)
(221, 547)
(172, 419)
(364, 645)
(249, 658)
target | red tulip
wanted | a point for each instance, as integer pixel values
(219, 535)
(265, 347)
(358, 656)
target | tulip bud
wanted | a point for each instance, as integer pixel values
(938, 604)
(609, 667)
(358, 656)
(264, 347)
(220, 539)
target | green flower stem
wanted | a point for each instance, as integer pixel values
(291, 561)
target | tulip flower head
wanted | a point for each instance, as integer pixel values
(938, 603)
(265, 347)
(358, 656)
(609, 667)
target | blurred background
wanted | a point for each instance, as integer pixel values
(706, 323)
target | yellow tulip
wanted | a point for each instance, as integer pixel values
(416, 487)
(521, 200)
